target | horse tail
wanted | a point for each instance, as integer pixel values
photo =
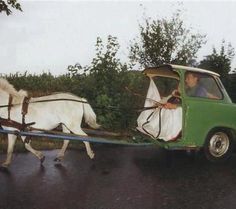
(89, 115)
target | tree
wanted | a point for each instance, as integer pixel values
(165, 41)
(74, 69)
(105, 82)
(6, 5)
(219, 61)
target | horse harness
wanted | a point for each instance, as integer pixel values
(24, 110)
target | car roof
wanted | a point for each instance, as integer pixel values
(163, 70)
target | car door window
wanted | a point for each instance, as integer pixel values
(201, 85)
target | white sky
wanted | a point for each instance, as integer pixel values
(50, 35)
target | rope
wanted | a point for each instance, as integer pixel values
(54, 100)
(139, 95)
(81, 101)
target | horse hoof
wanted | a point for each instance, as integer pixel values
(58, 160)
(5, 165)
(42, 159)
(92, 155)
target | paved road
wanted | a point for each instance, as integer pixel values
(119, 178)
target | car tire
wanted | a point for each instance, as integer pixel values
(218, 146)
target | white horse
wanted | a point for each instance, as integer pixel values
(46, 115)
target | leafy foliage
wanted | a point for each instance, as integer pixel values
(5, 6)
(113, 90)
(219, 61)
(105, 85)
(165, 41)
(232, 86)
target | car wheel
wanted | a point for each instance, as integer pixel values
(218, 146)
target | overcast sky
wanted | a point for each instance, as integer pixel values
(50, 35)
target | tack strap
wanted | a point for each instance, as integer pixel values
(24, 110)
(9, 106)
(14, 124)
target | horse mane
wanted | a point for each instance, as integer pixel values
(9, 88)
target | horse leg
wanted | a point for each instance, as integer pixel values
(62, 151)
(89, 150)
(10, 147)
(37, 153)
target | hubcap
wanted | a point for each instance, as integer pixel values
(219, 144)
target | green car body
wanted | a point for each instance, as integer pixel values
(202, 117)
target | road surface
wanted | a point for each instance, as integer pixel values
(119, 178)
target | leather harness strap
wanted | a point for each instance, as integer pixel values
(24, 109)
(11, 123)
(14, 124)
(9, 106)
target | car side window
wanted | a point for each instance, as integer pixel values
(201, 85)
